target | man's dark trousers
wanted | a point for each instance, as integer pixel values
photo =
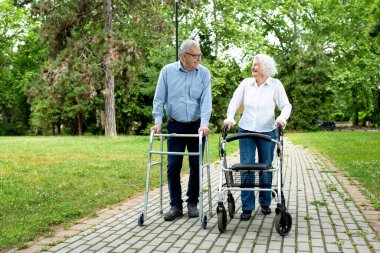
(178, 144)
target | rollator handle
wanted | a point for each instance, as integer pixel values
(249, 135)
(280, 130)
(224, 132)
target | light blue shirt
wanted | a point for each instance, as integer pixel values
(186, 96)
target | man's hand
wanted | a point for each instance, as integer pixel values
(205, 130)
(157, 128)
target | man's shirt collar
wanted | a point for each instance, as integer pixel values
(179, 67)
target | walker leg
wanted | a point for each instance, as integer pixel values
(209, 191)
(208, 179)
(143, 215)
(200, 186)
(161, 184)
(202, 216)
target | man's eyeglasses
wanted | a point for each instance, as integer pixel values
(195, 56)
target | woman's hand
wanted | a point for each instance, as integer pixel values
(281, 122)
(229, 124)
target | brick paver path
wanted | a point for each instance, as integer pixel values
(325, 219)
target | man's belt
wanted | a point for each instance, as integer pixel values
(190, 123)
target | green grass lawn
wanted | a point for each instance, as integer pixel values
(46, 181)
(357, 154)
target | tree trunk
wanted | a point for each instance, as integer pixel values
(355, 106)
(109, 82)
(58, 124)
(79, 123)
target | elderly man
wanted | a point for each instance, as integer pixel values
(184, 90)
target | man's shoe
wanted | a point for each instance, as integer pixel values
(246, 215)
(174, 213)
(266, 210)
(192, 210)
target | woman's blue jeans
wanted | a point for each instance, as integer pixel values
(265, 151)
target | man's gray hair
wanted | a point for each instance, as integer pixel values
(267, 63)
(186, 45)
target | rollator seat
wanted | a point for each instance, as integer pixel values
(255, 166)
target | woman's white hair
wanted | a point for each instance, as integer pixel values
(267, 63)
(186, 45)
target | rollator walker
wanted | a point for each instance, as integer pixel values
(202, 216)
(241, 177)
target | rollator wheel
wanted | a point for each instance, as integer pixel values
(222, 221)
(140, 219)
(231, 207)
(204, 221)
(283, 223)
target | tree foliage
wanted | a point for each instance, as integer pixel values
(327, 63)
(20, 57)
(53, 70)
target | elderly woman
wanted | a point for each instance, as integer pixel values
(259, 95)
